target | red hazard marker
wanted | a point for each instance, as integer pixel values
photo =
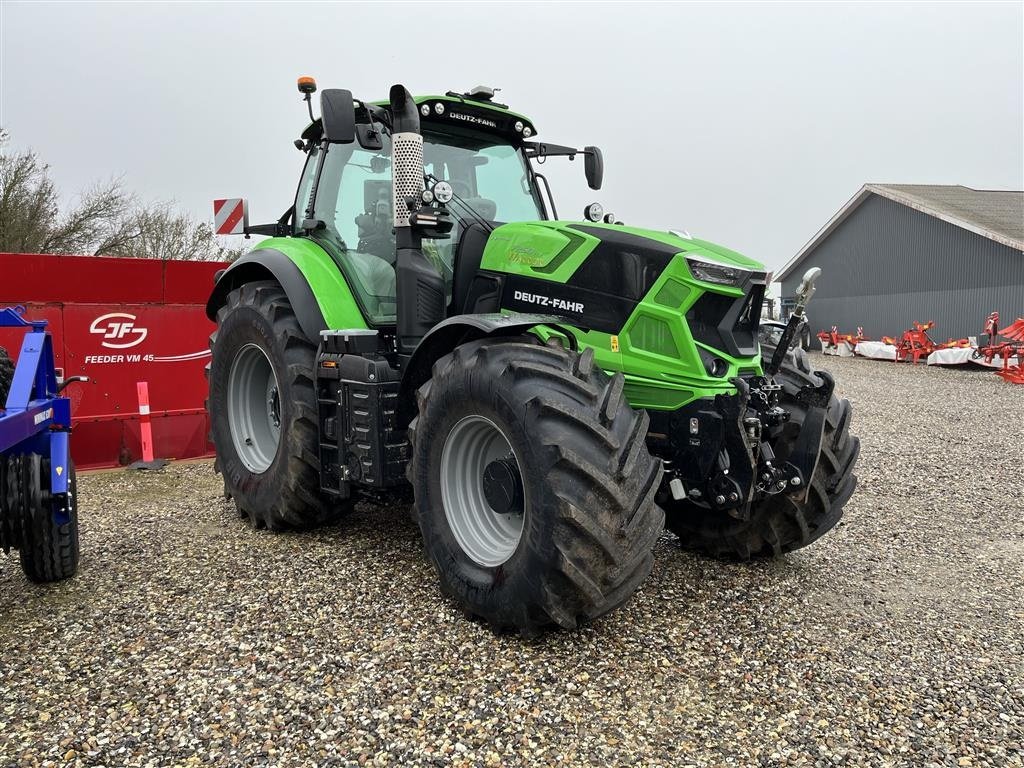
(230, 216)
(145, 427)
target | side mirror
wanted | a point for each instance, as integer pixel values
(369, 136)
(339, 116)
(593, 166)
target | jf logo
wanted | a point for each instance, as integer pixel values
(118, 330)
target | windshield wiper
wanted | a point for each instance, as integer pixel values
(466, 207)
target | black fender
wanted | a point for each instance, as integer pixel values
(459, 329)
(271, 264)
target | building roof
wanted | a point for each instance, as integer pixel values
(992, 213)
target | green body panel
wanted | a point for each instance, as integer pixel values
(337, 304)
(655, 350)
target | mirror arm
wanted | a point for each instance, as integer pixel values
(541, 150)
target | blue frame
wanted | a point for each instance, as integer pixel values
(36, 419)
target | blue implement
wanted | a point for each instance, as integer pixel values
(38, 509)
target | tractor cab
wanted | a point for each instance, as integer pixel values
(471, 144)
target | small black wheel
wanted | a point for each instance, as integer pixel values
(6, 375)
(534, 486)
(778, 524)
(263, 410)
(49, 549)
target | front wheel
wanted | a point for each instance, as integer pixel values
(534, 487)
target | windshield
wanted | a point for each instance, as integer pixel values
(492, 178)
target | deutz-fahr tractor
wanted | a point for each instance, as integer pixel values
(555, 392)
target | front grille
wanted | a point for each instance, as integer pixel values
(728, 323)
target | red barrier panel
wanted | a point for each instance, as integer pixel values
(121, 322)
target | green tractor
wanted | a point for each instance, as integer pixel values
(555, 392)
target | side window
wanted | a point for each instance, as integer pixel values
(364, 218)
(353, 199)
(305, 187)
(353, 202)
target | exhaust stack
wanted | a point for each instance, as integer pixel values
(418, 286)
(406, 153)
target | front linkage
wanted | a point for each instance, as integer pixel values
(737, 450)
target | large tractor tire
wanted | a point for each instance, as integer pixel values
(49, 549)
(534, 487)
(779, 524)
(263, 410)
(6, 375)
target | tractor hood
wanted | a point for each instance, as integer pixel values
(636, 292)
(542, 244)
(556, 249)
(597, 274)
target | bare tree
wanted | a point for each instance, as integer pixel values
(161, 232)
(105, 221)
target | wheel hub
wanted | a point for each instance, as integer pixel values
(274, 406)
(503, 486)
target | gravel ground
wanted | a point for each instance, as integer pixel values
(189, 639)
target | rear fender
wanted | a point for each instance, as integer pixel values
(312, 281)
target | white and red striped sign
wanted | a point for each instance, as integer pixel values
(230, 216)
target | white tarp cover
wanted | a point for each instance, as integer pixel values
(876, 350)
(843, 350)
(959, 356)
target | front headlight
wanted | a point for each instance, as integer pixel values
(712, 272)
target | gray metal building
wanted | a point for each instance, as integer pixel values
(896, 253)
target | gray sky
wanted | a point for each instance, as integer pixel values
(749, 125)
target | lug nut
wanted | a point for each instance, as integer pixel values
(795, 481)
(734, 496)
(781, 484)
(719, 499)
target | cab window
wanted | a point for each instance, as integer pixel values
(353, 202)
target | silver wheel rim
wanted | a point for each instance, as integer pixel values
(254, 408)
(487, 537)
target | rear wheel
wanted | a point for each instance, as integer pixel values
(49, 549)
(779, 524)
(263, 409)
(534, 487)
(6, 375)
